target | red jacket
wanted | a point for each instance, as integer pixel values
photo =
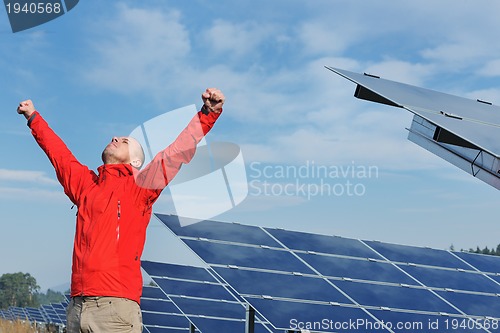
(114, 208)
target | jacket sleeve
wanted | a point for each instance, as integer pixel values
(167, 163)
(72, 175)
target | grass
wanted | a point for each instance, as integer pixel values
(17, 326)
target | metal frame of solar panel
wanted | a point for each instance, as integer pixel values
(18, 312)
(60, 309)
(6, 314)
(46, 314)
(462, 131)
(298, 280)
(52, 316)
(159, 314)
(207, 303)
(35, 315)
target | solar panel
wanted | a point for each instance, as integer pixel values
(487, 264)
(416, 255)
(462, 131)
(311, 243)
(358, 269)
(6, 314)
(35, 315)
(52, 316)
(18, 312)
(49, 310)
(297, 280)
(60, 309)
(208, 304)
(159, 314)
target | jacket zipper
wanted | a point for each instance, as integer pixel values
(119, 213)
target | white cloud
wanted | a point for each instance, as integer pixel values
(237, 39)
(26, 176)
(141, 51)
(319, 37)
(31, 194)
(491, 95)
(491, 68)
(402, 71)
(302, 111)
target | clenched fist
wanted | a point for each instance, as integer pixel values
(213, 99)
(26, 108)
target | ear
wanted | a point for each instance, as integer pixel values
(136, 163)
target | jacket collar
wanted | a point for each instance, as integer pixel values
(115, 170)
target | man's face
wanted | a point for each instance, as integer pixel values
(120, 150)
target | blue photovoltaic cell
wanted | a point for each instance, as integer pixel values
(157, 309)
(60, 309)
(153, 305)
(52, 314)
(295, 316)
(152, 292)
(496, 278)
(392, 292)
(18, 312)
(283, 286)
(460, 280)
(416, 255)
(217, 311)
(401, 322)
(162, 319)
(153, 329)
(356, 269)
(474, 305)
(35, 314)
(211, 308)
(209, 325)
(323, 244)
(230, 232)
(5, 314)
(193, 289)
(484, 263)
(254, 257)
(394, 297)
(177, 271)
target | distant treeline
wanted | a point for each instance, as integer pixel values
(486, 250)
(21, 289)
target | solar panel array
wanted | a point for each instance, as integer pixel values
(297, 280)
(54, 313)
(193, 293)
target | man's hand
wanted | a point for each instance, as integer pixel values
(26, 108)
(213, 99)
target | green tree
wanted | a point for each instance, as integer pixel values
(50, 297)
(18, 289)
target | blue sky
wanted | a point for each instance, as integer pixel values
(106, 67)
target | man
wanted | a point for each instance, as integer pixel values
(114, 209)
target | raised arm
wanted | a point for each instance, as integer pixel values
(72, 175)
(167, 163)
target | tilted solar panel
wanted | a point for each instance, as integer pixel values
(159, 314)
(35, 315)
(462, 131)
(330, 284)
(207, 303)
